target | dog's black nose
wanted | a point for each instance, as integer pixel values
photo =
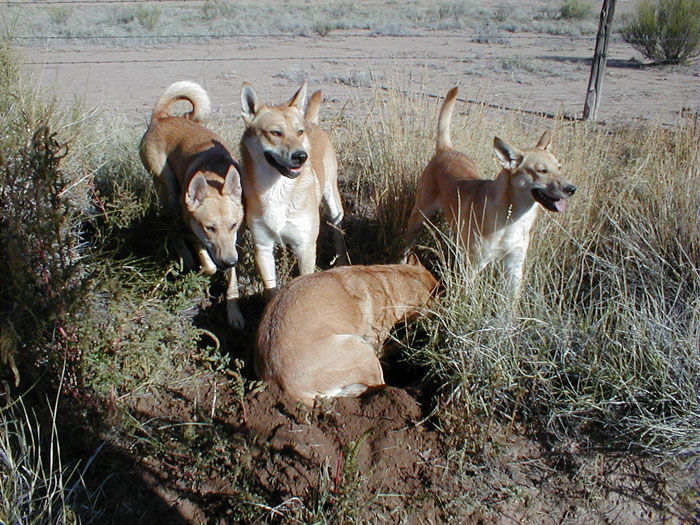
(228, 263)
(299, 157)
(569, 189)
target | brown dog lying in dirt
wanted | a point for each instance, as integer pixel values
(322, 334)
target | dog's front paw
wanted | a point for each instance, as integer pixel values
(235, 317)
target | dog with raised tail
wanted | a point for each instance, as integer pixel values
(494, 217)
(197, 177)
(322, 334)
(289, 169)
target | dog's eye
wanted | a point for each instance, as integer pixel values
(233, 225)
(211, 229)
(300, 132)
(276, 133)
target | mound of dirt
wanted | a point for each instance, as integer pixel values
(375, 439)
(228, 457)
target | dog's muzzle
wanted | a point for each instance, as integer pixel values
(554, 200)
(224, 263)
(288, 167)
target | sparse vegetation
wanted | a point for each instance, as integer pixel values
(585, 305)
(665, 30)
(60, 15)
(576, 9)
(35, 486)
(219, 18)
(148, 17)
(323, 27)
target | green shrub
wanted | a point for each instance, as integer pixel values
(148, 17)
(575, 10)
(323, 27)
(214, 9)
(41, 263)
(60, 15)
(9, 75)
(664, 31)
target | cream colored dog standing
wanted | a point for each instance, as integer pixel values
(289, 168)
(197, 176)
(494, 216)
(322, 334)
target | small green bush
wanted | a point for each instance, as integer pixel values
(665, 31)
(214, 9)
(60, 15)
(575, 10)
(323, 27)
(148, 17)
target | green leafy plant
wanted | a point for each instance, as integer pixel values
(665, 31)
(575, 10)
(323, 27)
(148, 17)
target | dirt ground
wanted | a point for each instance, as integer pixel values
(378, 459)
(538, 73)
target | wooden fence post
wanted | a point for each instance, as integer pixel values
(595, 82)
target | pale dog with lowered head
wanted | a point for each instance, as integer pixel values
(196, 175)
(494, 217)
(321, 335)
(289, 168)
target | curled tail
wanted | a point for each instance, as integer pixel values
(311, 114)
(444, 120)
(183, 90)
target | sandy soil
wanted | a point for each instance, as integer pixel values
(540, 73)
(377, 459)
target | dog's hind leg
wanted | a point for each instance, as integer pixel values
(164, 179)
(331, 198)
(415, 221)
(427, 203)
(348, 367)
(336, 213)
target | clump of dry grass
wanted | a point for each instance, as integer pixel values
(35, 485)
(603, 348)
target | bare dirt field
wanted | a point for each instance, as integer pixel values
(538, 73)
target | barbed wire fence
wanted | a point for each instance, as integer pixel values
(128, 41)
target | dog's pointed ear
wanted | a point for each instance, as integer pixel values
(196, 191)
(312, 107)
(510, 158)
(299, 99)
(232, 184)
(545, 141)
(250, 103)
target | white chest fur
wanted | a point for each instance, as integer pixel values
(513, 235)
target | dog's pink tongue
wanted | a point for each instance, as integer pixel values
(560, 205)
